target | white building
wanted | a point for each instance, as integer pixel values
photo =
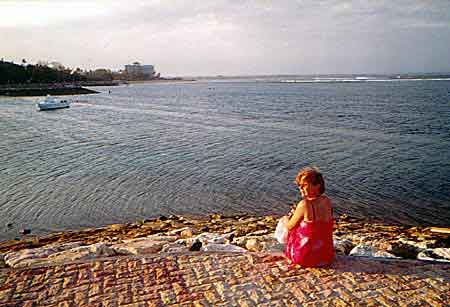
(138, 71)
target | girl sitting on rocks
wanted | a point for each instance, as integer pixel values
(310, 237)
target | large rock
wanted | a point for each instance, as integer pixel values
(215, 247)
(443, 241)
(2, 261)
(260, 232)
(155, 237)
(178, 231)
(419, 245)
(175, 247)
(209, 237)
(83, 252)
(253, 245)
(142, 246)
(343, 247)
(362, 250)
(404, 250)
(436, 254)
(139, 247)
(187, 233)
(117, 227)
(273, 246)
(27, 257)
(55, 254)
(240, 241)
(184, 232)
(158, 226)
(442, 252)
(215, 216)
(195, 246)
(263, 243)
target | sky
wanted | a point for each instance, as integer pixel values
(231, 37)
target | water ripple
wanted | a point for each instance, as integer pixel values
(147, 150)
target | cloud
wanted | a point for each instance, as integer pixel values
(41, 13)
(231, 37)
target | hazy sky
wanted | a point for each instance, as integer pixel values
(231, 37)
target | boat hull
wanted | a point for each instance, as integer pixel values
(52, 103)
(43, 107)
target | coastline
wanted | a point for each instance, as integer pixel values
(44, 90)
(217, 233)
(60, 89)
(77, 88)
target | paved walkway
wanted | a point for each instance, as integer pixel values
(226, 280)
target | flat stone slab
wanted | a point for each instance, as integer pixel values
(226, 279)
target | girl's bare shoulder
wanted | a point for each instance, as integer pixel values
(301, 208)
(302, 205)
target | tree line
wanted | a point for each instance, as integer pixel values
(55, 72)
(11, 73)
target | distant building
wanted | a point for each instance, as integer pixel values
(136, 71)
(100, 74)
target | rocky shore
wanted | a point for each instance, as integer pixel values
(23, 92)
(216, 233)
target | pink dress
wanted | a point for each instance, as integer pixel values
(310, 244)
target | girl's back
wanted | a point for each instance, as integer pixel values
(310, 243)
(318, 210)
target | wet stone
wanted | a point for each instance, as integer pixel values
(214, 247)
(253, 245)
(117, 227)
(403, 250)
(436, 254)
(443, 241)
(2, 261)
(187, 233)
(175, 247)
(139, 247)
(343, 247)
(369, 251)
(196, 246)
(215, 216)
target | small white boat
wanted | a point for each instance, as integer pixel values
(51, 103)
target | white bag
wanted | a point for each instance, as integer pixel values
(281, 231)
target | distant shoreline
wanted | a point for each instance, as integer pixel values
(20, 92)
(78, 88)
(44, 89)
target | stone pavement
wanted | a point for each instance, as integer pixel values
(212, 279)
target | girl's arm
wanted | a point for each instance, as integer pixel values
(297, 216)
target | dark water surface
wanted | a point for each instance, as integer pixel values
(228, 147)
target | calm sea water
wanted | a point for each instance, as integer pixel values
(227, 147)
